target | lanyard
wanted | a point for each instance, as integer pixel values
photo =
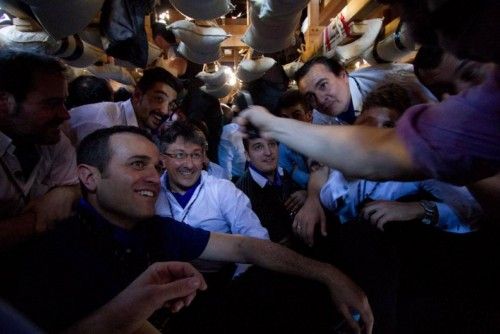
(189, 206)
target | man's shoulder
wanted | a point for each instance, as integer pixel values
(63, 146)
(95, 108)
(245, 180)
(102, 112)
(215, 183)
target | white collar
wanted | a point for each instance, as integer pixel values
(163, 184)
(261, 180)
(130, 116)
(5, 144)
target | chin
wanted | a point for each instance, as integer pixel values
(152, 127)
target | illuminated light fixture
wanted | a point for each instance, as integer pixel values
(237, 16)
(164, 17)
(231, 77)
(228, 52)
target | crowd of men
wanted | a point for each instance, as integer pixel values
(380, 216)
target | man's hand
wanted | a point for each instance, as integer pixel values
(310, 215)
(381, 212)
(258, 117)
(295, 201)
(57, 204)
(170, 284)
(348, 298)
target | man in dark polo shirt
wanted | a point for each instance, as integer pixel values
(115, 236)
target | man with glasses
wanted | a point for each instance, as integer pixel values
(256, 300)
(149, 106)
(188, 194)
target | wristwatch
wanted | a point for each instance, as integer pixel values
(431, 214)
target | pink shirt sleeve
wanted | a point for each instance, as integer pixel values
(457, 140)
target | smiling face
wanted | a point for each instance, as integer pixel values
(153, 107)
(183, 172)
(263, 154)
(326, 92)
(126, 191)
(37, 119)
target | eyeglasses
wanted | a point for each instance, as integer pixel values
(182, 156)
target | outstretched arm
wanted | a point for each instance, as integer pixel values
(357, 151)
(345, 294)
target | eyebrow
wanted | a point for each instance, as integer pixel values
(462, 64)
(320, 80)
(160, 92)
(139, 156)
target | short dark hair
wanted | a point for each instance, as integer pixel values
(160, 29)
(392, 96)
(121, 94)
(334, 66)
(87, 89)
(18, 70)
(428, 57)
(188, 131)
(290, 98)
(204, 111)
(94, 149)
(158, 74)
(246, 140)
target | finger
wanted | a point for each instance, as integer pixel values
(180, 288)
(380, 226)
(381, 222)
(177, 306)
(309, 234)
(189, 299)
(375, 216)
(323, 227)
(344, 310)
(295, 224)
(365, 213)
(367, 319)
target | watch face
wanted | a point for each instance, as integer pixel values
(430, 212)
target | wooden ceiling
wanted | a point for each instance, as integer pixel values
(318, 14)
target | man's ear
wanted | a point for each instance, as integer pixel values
(246, 156)
(89, 176)
(7, 104)
(136, 96)
(343, 75)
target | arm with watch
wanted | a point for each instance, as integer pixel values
(454, 210)
(451, 216)
(380, 212)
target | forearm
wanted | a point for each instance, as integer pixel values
(357, 151)
(275, 257)
(316, 181)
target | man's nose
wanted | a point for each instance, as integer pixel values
(267, 150)
(189, 161)
(153, 176)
